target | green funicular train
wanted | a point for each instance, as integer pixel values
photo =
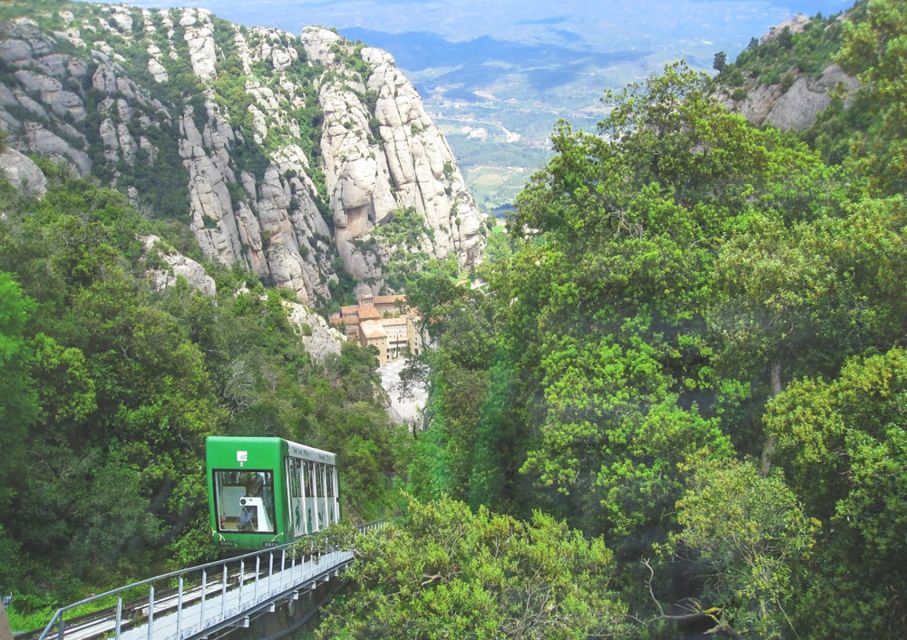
(264, 492)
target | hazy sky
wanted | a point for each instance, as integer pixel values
(603, 25)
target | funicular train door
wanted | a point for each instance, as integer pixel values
(319, 504)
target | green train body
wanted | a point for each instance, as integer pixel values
(264, 492)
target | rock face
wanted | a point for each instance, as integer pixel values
(796, 103)
(382, 152)
(794, 25)
(281, 153)
(177, 266)
(405, 406)
(798, 107)
(319, 339)
(22, 173)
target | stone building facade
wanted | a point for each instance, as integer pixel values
(384, 322)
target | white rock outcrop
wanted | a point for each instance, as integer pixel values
(39, 139)
(253, 195)
(178, 266)
(406, 404)
(22, 173)
(318, 337)
(795, 24)
(382, 152)
(200, 38)
(799, 106)
(797, 103)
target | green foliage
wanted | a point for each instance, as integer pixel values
(443, 571)
(402, 227)
(402, 236)
(669, 279)
(808, 52)
(677, 294)
(875, 48)
(433, 287)
(720, 61)
(349, 55)
(863, 131)
(843, 444)
(18, 406)
(744, 533)
(607, 308)
(131, 383)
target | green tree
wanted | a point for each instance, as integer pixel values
(18, 401)
(443, 571)
(843, 444)
(131, 383)
(796, 300)
(746, 534)
(608, 296)
(875, 47)
(720, 61)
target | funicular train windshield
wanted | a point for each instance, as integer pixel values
(244, 501)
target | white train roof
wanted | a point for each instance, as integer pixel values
(310, 453)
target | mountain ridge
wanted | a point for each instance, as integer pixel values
(281, 152)
(790, 76)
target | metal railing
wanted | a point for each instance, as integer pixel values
(206, 596)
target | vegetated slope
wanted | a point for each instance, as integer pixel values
(789, 76)
(114, 369)
(798, 77)
(696, 350)
(281, 153)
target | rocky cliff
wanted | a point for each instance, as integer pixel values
(382, 153)
(796, 106)
(789, 76)
(281, 153)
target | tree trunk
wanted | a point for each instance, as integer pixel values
(769, 447)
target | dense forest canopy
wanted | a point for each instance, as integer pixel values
(676, 402)
(109, 390)
(696, 351)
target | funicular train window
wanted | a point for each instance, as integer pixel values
(326, 486)
(294, 477)
(308, 481)
(244, 501)
(329, 481)
(317, 469)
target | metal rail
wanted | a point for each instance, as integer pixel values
(198, 601)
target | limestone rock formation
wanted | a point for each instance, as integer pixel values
(799, 106)
(382, 152)
(177, 266)
(405, 404)
(795, 24)
(318, 337)
(795, 102)
(281, 153)
(22, 173)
